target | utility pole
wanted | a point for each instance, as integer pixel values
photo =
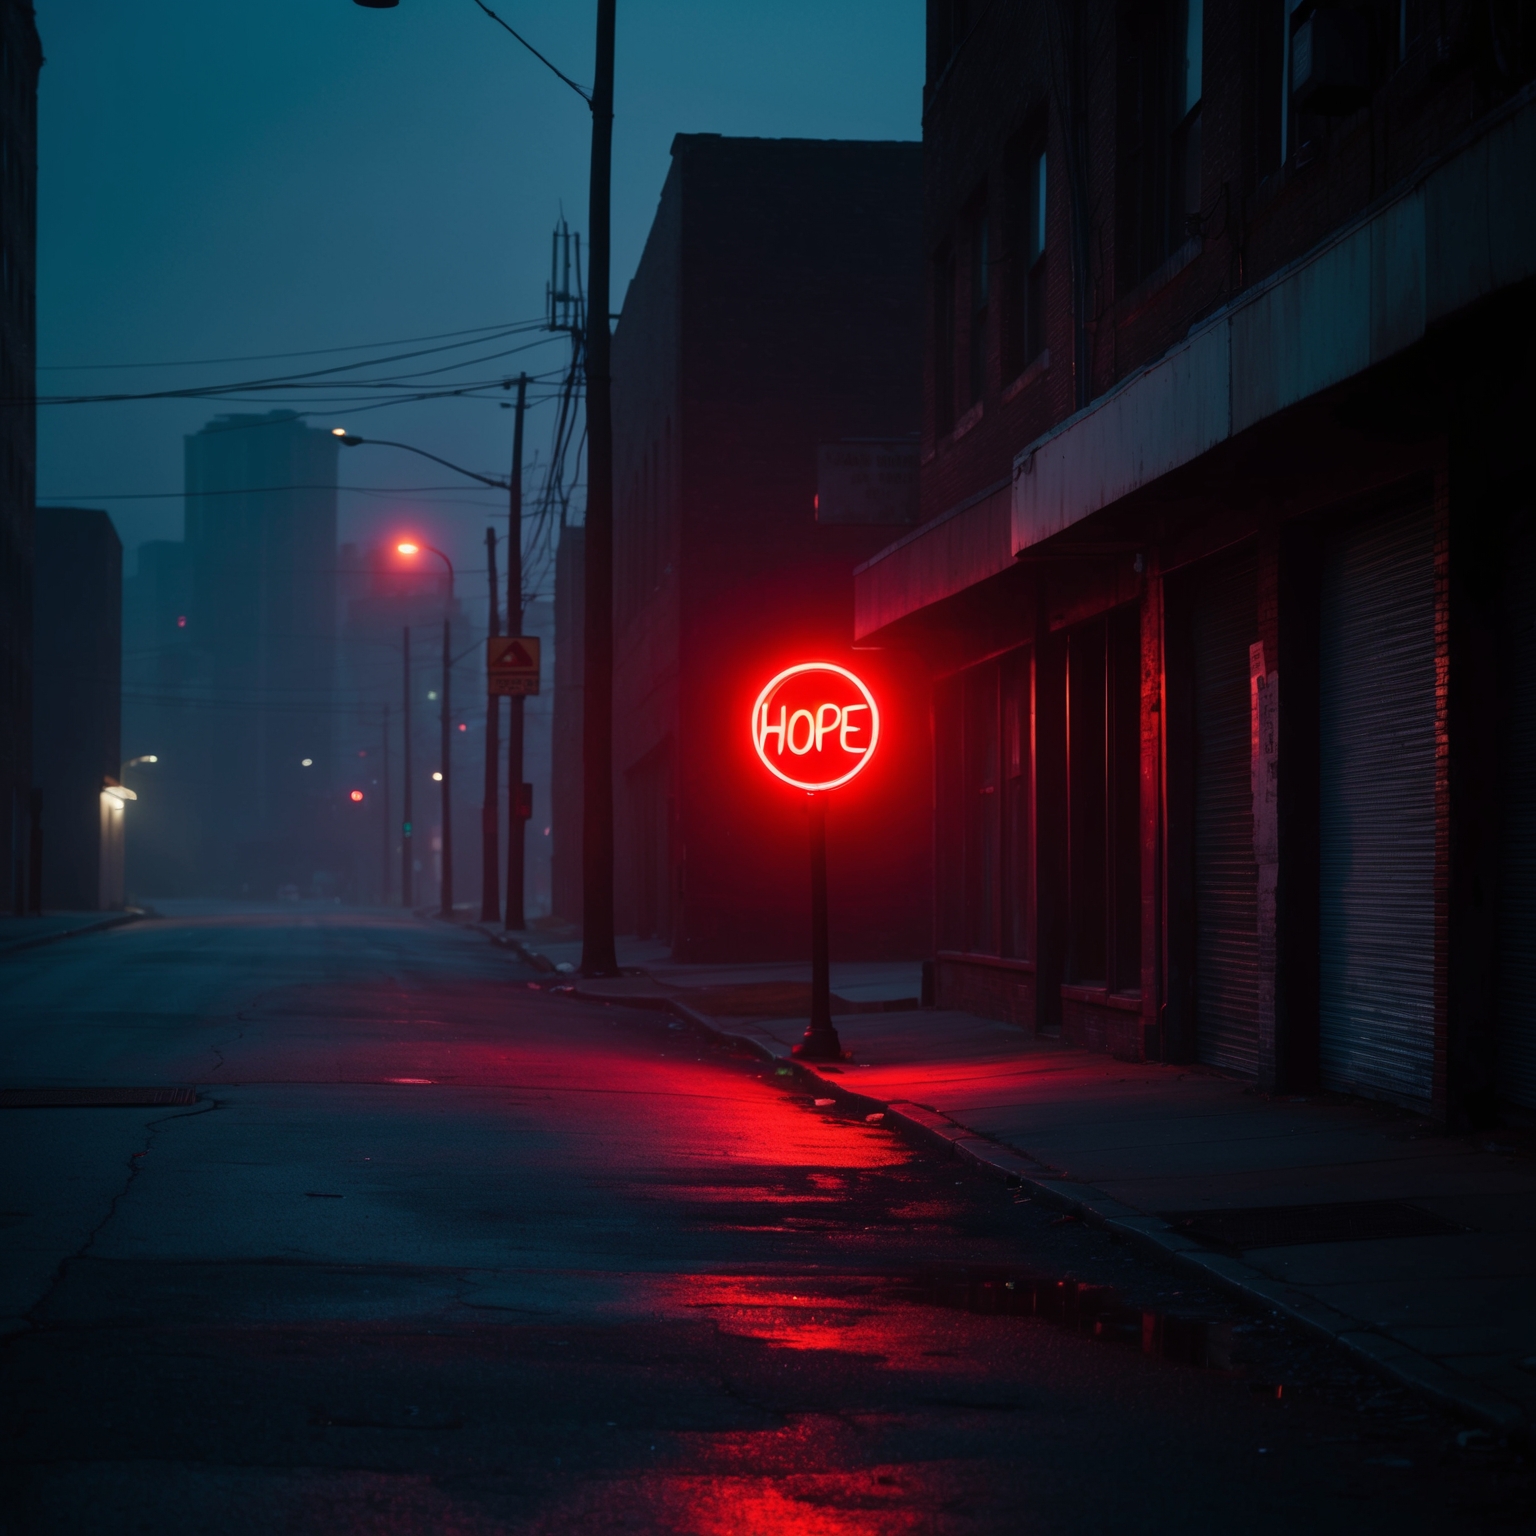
(406, 829)
(516, 822)
(388, 823)
(446, 911)
(490, 870)
(598, 956)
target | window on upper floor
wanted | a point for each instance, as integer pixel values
(980, 295)
(1161, 70)
(1267, 83)
(1336, 54)
(1024, 259)
(944, 359)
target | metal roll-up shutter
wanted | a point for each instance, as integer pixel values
(1517, 876)
(1377, 811)
(1224, 622)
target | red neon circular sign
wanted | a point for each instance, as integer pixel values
(815, 726)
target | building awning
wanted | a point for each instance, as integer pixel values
(1462, 230)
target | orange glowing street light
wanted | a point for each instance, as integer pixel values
(408, 549)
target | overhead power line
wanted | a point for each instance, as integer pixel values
(260, 357)
(301, 380)
(259, 490)
(580, 90)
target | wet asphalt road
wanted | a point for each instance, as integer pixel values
(436, 1252)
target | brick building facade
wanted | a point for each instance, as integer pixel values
(77, 708)
(21, 58)
(774, 318)
(1231, 380)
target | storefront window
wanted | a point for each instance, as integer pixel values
(1103, 795)
(981, 721)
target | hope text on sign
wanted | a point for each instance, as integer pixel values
(815, 726)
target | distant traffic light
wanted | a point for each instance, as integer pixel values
(357, 797)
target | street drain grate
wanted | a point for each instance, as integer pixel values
(95, 1098)
(1284, 1226)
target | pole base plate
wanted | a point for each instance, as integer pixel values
(822, 1046)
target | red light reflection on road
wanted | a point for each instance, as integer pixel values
(692, 1112)
(855, 1318)
(879, 1500)
(826, 1504)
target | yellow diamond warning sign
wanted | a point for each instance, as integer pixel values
(512, 664)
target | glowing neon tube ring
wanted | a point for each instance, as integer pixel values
(761, 729)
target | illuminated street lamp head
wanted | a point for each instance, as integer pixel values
(347, 439)
(408, 548)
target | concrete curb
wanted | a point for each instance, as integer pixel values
(1386, 1356)
(116, 920)
(503, 940)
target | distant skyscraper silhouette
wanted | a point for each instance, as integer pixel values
(257, 717)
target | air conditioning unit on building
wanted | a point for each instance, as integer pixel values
(1330, 63)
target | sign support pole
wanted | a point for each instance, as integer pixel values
(823, 726)
(407, 848)
(445, 751)
(821, 1042)
(516, 837)
(490, 851)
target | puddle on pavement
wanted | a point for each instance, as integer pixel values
(1185, 1336)
(1095, 1311)
(882, 1314)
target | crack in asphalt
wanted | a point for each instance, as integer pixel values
(33, 1314)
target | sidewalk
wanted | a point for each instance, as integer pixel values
(29, 932)
(861, 987)
(1413, 1249)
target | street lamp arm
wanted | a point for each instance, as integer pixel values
(586, 96)
(348, 440)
